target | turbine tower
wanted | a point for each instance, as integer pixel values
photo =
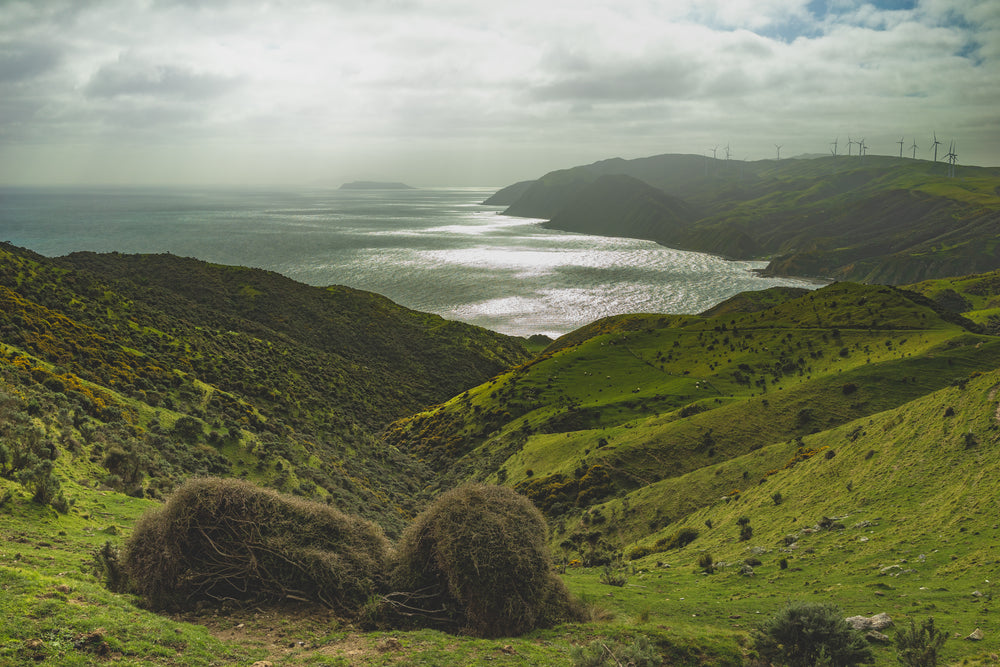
(952, 158)
(850, 142)
(778, 147)
(914, 148)
(900, 142)
(935, 145)
(834, 144)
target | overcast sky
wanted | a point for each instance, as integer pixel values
(465, 92)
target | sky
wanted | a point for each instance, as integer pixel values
(470, 93)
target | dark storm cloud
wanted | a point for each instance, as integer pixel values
(129, 77)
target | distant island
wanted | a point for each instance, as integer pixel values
(375, 185)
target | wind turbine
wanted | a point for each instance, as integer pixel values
(952, 158)
(935, 145)
(834, 144)
(727, 152)
(900, 142)
(914, 148)
(850, 142)
(714, 150)
(778, 147)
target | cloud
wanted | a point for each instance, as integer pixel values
(21, 60)
(543, 84)
(132, 77)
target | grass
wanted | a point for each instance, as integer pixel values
(871, 412)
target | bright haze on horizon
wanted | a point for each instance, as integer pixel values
(453, 92)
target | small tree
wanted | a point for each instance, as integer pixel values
(919, 646)
(805, 634)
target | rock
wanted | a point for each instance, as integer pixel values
(263, 663)
(890, 569)
(508, 649)
(876, 637)
(877, 622)
(881, 621)
(746, 570)
(977, 594)
(976, 635)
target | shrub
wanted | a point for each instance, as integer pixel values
(478, 558)
(918, 647)
(107, 565)
(804, 634)
(39, 479)
(706, 563)
(613, 576)
(639, 653)
(228, 539)
(678, 539)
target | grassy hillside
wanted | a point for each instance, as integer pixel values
(180, 367)
(631, 401)
(836, 445)
(880, 219)
(977, 297)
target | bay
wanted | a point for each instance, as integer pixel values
(437, 250)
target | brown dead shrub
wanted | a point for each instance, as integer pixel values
(219, 539)
(477, 561)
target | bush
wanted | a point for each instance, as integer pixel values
(477, 560)
(804, 634)
(639, 653)
(39, 479)
(613, 576)
(220, 539)
(107, 565)
(678, 539)
(706, 563)
(918, 647)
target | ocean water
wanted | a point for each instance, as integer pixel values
(437, 250)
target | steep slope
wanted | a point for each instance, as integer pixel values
(632, 400)
(183, 368)
(976, 297)
(882, 219)
(640, 210)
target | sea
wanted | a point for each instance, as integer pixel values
(438, 250)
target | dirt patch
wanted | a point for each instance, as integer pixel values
(283, 631)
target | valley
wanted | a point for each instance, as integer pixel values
(834, 445)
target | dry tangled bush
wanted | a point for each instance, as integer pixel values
(219, 539)
(477, 561)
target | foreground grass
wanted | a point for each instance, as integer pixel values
(53, 611)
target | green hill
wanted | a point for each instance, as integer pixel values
(192, 368)
(882, 219)
(834, 445)
(633, 400)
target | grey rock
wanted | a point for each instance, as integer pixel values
(877, 622)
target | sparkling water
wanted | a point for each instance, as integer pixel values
(437, 250)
